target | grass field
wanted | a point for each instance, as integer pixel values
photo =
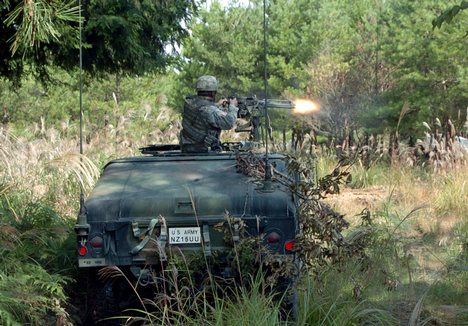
(412, 266)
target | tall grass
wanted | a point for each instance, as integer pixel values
(319, 306)
(39, 183)
(41, 175)
(419, 240)
(364, 290)
(451, 193)
(179, 302)
(46, 169)
(406, 253)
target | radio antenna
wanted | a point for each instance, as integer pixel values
(268, 172)
(82, 226)
(81, 84)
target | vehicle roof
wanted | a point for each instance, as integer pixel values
(179, 156)
(148, 186)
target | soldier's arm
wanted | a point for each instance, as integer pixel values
(221, 119)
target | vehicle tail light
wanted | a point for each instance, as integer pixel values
(289, 245)
(83, 250)
(273, 237)
(96, 242)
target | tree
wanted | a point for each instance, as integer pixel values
(120, 36)
(26, 27)
(226, 43)
(448, 15)
(364, 60)
(428, 69)
(131, 36)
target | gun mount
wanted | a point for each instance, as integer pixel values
(253, 111)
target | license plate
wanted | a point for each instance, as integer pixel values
(91, 262)
(185, 235)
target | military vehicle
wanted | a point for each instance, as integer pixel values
(175, 199)
(144, 208)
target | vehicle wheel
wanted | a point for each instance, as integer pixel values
(287, 289)
(102, 302)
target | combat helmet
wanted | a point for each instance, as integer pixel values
(207, 83)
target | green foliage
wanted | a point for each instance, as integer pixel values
(373, 64)
(234, 56)
(8, 319)
(461, 236)
(32, 226)
(451, 289)
(365, 65)
(34, 247)
(29, 29)
(364, 61)
(240, 305)
(39, 23)
(118, 36)
(451, 198)
(249, 306)
(332, 303)
(449, 14)
(363, 178)
(432, 85)
(29, 294)
(129, 36)
(142, 101)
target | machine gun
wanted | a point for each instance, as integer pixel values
(253, 110)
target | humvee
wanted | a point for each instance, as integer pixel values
(143, 208)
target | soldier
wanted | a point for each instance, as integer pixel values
(203, 120)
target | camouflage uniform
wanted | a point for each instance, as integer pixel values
(203, 121)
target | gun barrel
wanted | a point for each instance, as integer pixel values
(277, 103)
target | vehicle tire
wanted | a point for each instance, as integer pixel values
(287, 289)
(102, 302)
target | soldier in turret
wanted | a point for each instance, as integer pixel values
(204, 119)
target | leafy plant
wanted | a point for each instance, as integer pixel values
(30, 294)
(319, 305)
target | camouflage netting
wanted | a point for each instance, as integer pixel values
(320, 240)
(250, 164)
